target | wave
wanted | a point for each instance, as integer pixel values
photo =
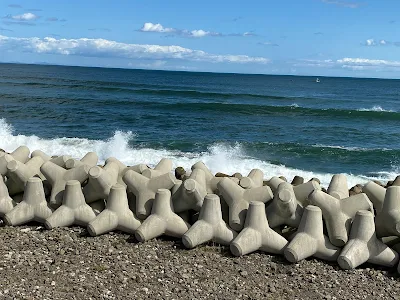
(218, 157)
(357, 149)
(248, 109)
(375, 108)
(143, 89)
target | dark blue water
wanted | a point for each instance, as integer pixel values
(339, 125)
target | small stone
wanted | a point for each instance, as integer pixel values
(274, 266)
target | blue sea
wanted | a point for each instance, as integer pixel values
(283, 125)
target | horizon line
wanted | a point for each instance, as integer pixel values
(187, 71)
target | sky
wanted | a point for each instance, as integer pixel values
(291, 37)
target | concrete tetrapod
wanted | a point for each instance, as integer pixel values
(20, 173)
(302, 191)
(162, 221)
(211, 180)
(238, 200)
(254, 179)
(256, 234)
(5, 158)
(58, 160)
(338, 213)
(338, 187)
(123, 168)
(364, 246)
(100, 182)
(309, 239)
(163, 167)
(376, 194)
(274, 182)
(191, 193)
(145, 189)
(116, 216)
(6, 202)
(33, 206)
(73, 210)
(284, 209)
(40, 153)
(210, 226)
(139, 168)
(21, 154)
(388, 219)
(90, 159)
(58, 177)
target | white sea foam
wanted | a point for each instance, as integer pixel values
(360, 149)
(218, 157)
(375, 108)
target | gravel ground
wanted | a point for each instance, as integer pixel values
(66, 263)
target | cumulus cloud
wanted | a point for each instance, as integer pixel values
(107, 48)
(197, 33)
(150, 27)
(373, 42)
(343, 3)
(25, 17)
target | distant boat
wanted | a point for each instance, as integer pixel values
(317, 80)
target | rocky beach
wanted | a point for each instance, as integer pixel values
(67, 263)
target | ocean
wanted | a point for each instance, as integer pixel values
(283, 125)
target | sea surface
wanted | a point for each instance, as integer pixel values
(283, 125)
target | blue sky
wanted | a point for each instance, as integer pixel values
(299, 37)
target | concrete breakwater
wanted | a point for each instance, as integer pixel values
(247, 213)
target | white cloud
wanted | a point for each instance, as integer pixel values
(197, 33)
(352, 63)
(365, 62)
(150, 27)
(373, 42)
(25, 17)
(370, 42)
(106, 48)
